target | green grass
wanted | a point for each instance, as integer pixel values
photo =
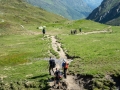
(65, 27)
(17, 49)
(16, 13)
(22, 52)
(86, 25)
(22, 49)
(33, 75)
(99, 53)
(94, 55)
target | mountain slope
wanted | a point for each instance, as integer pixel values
(71, 9)
(21, 9)
(14, 13)
(93, 3)
(108, 12)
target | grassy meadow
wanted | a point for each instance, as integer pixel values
(15, 49)
(22, 53)
(22, 64)
(95, 55)
(65, 27)
(32, 76)
(23, 47)
(99, 53)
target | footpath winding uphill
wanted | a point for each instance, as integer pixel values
(70, 81)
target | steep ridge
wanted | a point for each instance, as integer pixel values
(108, 12)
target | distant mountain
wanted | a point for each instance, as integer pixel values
(93, 3)
(108, 12)
(71, 9)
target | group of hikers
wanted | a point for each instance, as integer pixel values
(58, 74)
(72, 31)
(75, 31)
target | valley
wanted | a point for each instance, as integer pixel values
(24, 51)
(70, 9)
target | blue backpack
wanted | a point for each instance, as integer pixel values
(63, 64)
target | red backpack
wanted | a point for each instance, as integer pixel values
(66, 65)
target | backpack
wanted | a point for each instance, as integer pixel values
(58, 74)
(43, 30)
(66, 65)
(52, 63)
(63, 64)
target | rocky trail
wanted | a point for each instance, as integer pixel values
(69, 83)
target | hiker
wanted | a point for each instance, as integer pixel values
(51, 65)
(65, 67)
(43, 31)
(71, 32)
(57, 78)
(80, 30)
(75, 31)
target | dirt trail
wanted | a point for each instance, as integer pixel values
(94, 32)
(71, 84)
(55, 44)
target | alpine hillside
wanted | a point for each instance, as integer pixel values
(71, 9)
(108, 12)
(14, 14)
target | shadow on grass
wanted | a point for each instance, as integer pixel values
(43, 81)
(39, 76)
(116, 80)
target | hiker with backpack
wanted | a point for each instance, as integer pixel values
(51, 65)
(65, 67)
(57, 77)
(43, 31)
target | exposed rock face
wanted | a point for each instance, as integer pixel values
(108, 12)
